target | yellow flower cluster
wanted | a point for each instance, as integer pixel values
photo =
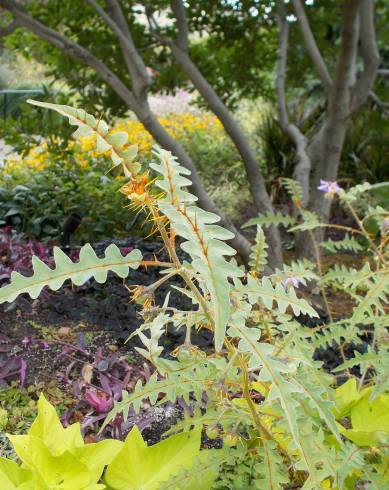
(180, 126)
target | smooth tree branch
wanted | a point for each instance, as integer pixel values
(140, 78)
(369, 54)
(303, 167)
(311, 45)
(178, 9)
(326, 149)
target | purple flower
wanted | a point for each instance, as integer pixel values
(329, 187)
(26, 341)
(291, 281)
(100, 403)
(44, 345)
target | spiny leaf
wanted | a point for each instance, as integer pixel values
(202, 473)
(348, 243)
(269, 220)
(271, 469)
(178, 381)
(106, 140)
(204, 241)
(303, 270)
(375, 299)
(258, 256)
(268, 294)
(310, 222)
(89, 265)
(294, 190)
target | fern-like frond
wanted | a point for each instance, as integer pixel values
(113, 141)
(203, 472)
(294, 190)
(88, 265)
(310, 222)
(270, 219)
(258, 256)
(263, 290)
(336, 332)
(316, 396)
(348, 243)
(278, 372)
(187, 382)
(204, 241)
(364, 360)
(349, 458)
(375, 300)
(303, 270)
(271, 470)
(355, 192)
(341, 275)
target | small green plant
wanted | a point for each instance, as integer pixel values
(56, 458)
(270, 403)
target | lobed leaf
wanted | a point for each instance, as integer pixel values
(88, 266)
(112, 141)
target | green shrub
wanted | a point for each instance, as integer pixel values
(37, 200)
(56, 458)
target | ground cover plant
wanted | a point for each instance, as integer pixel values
(280, 419)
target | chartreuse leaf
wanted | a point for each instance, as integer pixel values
(106, 140)
(346, 396)
(204, 241)
(138, 466)
(63, 472)
(369, 421)
(12, 476)
(88, 266)
(57, 457)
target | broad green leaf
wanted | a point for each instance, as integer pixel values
(49, 429)
(88, 266)
(12, 476)
(346, 396)
(64, 472)
(60, 442)
(371, 416)
(138, 466)
(98, 455)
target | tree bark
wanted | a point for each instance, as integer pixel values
(302, 169)
(326, 147)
